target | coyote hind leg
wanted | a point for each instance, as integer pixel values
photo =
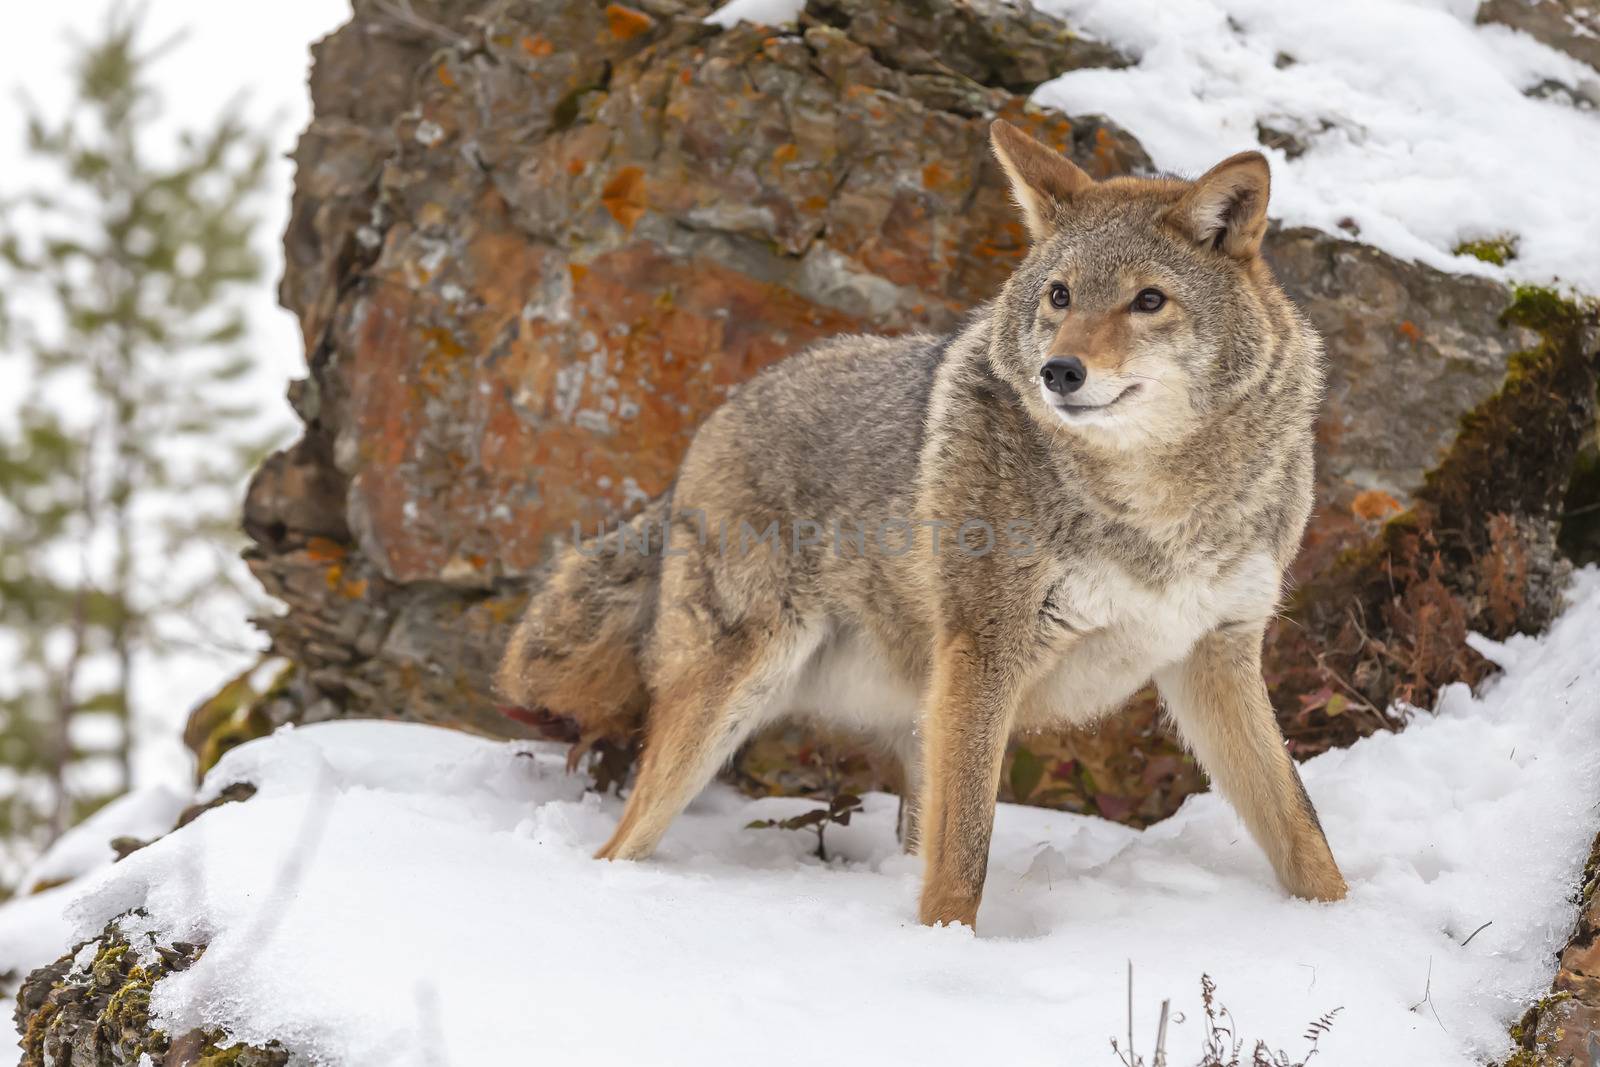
(908, 819)
(709, 701)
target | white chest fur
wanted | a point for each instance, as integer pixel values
(1103, 596)
(1126, 630)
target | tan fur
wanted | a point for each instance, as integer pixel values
(1160, 504)
(576, 651)
(1041, 180)
(1227, 206)
(1219, 702)
(1103, 342)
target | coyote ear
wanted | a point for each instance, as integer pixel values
(1226, 208)
(1042, 179)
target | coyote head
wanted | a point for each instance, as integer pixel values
(1143, 306)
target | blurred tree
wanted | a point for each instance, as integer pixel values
(37, 464)
(124, 261)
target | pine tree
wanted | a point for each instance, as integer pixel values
(37, 505)
(124, 265)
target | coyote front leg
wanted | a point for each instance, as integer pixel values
(972, 704)
(1219, 702)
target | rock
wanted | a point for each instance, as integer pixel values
(1411, 351)
(533, 244)
(1477, 550)
(233, 793)
(1009, 46)
(98, 1014)
(1570, 26)
(580, 289)
(1290, 136)
(555, 260)
(1563, 1028)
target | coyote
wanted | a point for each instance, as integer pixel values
(1097, 481)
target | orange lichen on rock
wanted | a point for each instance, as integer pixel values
(324, 550)
(627, 23)
(623, 196)
(1374, 504)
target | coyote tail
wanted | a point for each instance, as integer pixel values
(576, 653)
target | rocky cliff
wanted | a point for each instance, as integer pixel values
(534, 243)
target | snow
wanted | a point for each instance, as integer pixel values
(144, 813)
(759, 12)
(398, 893)
(34, 929)
(1430, 137)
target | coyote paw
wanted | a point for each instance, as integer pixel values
(948, 910)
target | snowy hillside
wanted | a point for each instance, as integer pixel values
(406, 895)
(409, 895)
(1404, 122)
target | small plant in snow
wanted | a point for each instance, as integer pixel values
(839, 810)
(1222, 1047)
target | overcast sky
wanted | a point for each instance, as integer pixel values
(260, 50)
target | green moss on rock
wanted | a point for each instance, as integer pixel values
(1497, 250)
(1536, 1039)
(1477, 550)
(234, 715)
(1580, 515)
(99, 1015)
(1515, 451)
(1544, 309)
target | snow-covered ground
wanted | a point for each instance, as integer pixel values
(401, 894)
(143, 813)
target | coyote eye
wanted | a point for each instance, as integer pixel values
(1059, 297)
(1149, 300)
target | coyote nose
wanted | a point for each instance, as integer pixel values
(1063, 375)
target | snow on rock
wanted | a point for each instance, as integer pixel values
(402, 894)
(33, 928)
(1415, 123)
(761, 12)
(33, 931)
(143, 813)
